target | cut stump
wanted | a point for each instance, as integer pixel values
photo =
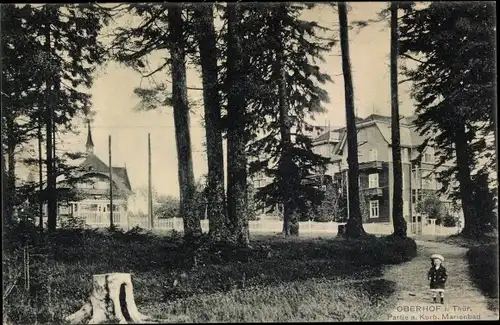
(111, 300)
(341, 230)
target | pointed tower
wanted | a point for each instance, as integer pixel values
(89, 146)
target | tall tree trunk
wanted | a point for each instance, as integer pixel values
(51, 203)
(192, 226)
(354, 227)
(7, 216)
(11, 180)
(398, 219)
(286, 163)
(57, 89)
(471, 228)
(40, 176)
(236, 138)
(216, 209)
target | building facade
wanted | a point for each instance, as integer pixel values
(93, 189)
(376, 168)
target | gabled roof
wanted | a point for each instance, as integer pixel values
(93, 164)
(323, 137)
(122, 173)
(409, 135)
(404, 131)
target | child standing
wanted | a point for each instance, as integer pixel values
(437, 276)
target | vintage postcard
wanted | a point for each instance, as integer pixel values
(249, 162)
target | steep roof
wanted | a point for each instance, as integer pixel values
(404, 131)
(94, 164)
(322, 137)
(122, 173)
(410, 137)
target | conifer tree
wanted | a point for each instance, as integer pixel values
(454, 86)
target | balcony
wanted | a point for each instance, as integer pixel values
(375, 164)
(373, 192)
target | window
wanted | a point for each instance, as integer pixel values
(414, 175)
(428, 156)
(374, 213)
(403, 179)
(373, 180)
(257, 183)
(373, 155)
(405, 155)
(428, 181)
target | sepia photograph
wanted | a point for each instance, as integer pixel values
(249, 162)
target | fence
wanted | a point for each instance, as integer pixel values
(127, 222)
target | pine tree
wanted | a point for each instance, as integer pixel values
(58, 45)
(20, 83)
(164, 28)
(192, 226)
(354, 227)
(454, 86)
(283, 89)
(207, 43)
(236, 133)
(397, 196)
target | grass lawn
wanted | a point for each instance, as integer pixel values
(277, 279)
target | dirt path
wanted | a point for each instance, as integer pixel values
(462, 300)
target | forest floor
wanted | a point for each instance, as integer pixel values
(276, 280)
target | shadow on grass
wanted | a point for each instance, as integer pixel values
(309, 300)
(483, 268)
(168, 269)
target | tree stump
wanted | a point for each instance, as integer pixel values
(341, 230)
(112, 299)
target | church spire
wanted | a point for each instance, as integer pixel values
(89, 146)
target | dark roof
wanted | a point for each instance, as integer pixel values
(122, 173)
(323, 137)
(98, 166)
(410, 137)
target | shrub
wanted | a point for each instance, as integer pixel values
(483, 267)
(72, 222)
(449, 220)
(167, 207)
(333, 206)
(432, 207)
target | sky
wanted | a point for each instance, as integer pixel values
(114, 102)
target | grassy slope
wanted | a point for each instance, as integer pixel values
(277, 280)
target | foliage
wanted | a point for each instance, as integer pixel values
(431, 206)
(453, 84)
(333, 207)
(485, 202)
(30, 65)
(364, 207)
(251, 203)
(449, 220)
(71, 222)
(280, 31)
(483, 266)
(166, 207)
